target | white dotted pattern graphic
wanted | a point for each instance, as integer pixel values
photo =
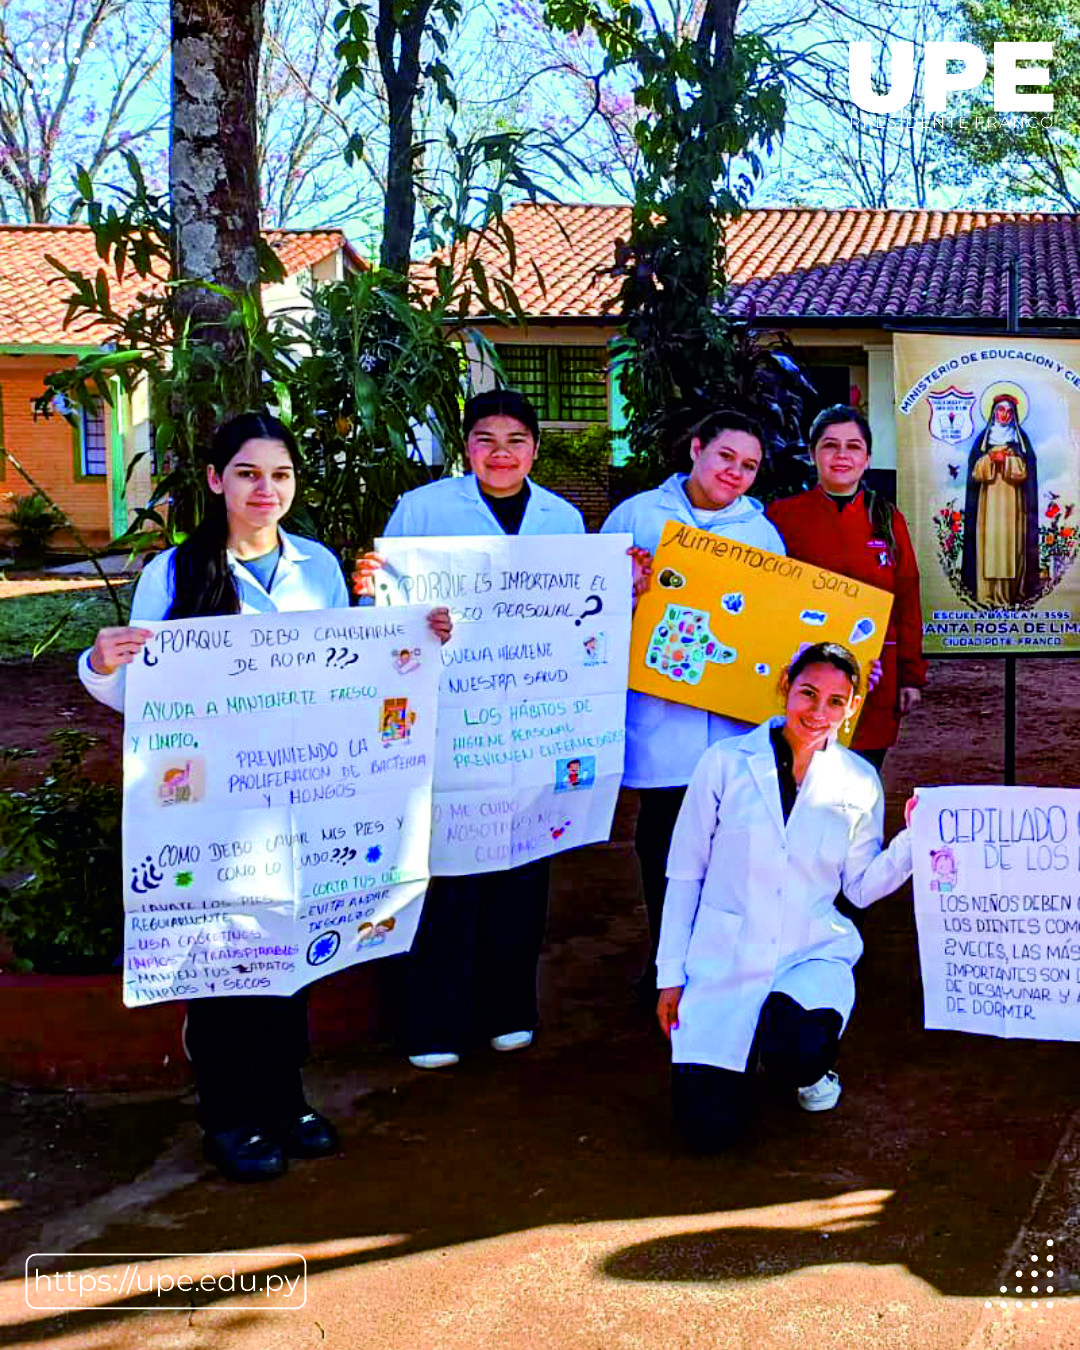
(1038, 1270)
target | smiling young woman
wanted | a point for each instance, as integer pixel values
(664, 740)
(847, 527)
(472, 968)
(755, 961)
(246, 1051)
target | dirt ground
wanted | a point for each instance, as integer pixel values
(956, 736)
(539, 1200)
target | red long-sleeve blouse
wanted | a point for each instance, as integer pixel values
(816, 531)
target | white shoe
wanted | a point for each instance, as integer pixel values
(822, 1095)
(512, 1040)
(444, 1060)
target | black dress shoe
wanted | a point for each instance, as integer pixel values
(308, 1136)
(245, 1154)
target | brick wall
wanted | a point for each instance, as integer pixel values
(589, 492)
(44, 447)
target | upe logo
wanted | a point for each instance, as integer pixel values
(939, 82)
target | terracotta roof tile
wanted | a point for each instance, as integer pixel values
(33, 294)
(804, 264)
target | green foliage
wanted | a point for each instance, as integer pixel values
(53, 620)
(33, 522)
(66, 914)
(1030, 158)
(374, 368)
(191, 379)
(351, 377)
(465, 190)
(711, 106)
(353, 22)
(583, 453)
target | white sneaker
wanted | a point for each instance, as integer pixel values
(443, 1060)
(512, 1040)
(822, 1095)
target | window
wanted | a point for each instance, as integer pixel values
(564, 384)
(94, 442)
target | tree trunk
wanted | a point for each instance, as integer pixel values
(401, 76)
(213, 169)
(716, 36)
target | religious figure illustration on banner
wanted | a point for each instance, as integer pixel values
(1000, 561)
(988, 479)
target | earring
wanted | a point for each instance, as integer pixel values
(847, 726)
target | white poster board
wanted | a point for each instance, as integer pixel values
(997, 903)
(532, 705)
(277, 798)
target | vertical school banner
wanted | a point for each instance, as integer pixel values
(277, 798)
(988, 477)
(532, 704)
(997, 904)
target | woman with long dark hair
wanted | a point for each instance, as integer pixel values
(849, 528)
(755, 961)
(246, 1052)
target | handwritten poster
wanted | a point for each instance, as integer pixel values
(721, 620)
(988, 475)
(532, 704)
(277, 799)
(997, 903)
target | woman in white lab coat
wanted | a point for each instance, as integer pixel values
(755, 962)
(246, 1051)
(472, 967)
(665, 740)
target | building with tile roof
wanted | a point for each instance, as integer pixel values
(840, 283)
(85, 466)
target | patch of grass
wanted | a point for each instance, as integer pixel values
(27, 620)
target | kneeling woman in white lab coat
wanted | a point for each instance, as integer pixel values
(755, 961)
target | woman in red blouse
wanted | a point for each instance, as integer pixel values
(848, 528)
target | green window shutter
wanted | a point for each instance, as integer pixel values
(583, 395)
(564, 384)
(526, 368)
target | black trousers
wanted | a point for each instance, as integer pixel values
(246, 1054)
(658, 809)
(711, 1107)
(472, 968)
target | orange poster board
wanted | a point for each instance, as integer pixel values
(721, 620)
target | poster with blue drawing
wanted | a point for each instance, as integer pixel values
(720, 621)
(277, 798)
(532, 705)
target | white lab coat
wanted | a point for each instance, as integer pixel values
(665, 740)
(308, 576)
(749, 907)
(454, 506)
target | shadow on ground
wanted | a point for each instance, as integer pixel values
(932, 1162)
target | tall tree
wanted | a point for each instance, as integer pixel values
(834, 153)
(79, 82)
(214, 182)
(710, 106)
(1030, 159)
(410, 40)
(446, 179)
